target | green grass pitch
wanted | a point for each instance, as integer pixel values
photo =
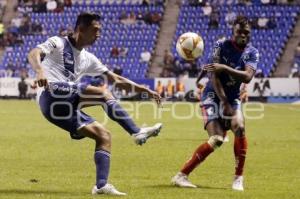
(38, 160)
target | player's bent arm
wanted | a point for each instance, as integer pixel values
(34, 58)
(129, 85)
(243, 76)
(125, 83)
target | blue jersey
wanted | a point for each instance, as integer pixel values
(226, 52)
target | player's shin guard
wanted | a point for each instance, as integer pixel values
(240, 150)
(118, 114)
(102, 161)
(199, 156)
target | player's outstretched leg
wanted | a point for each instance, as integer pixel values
(101, 157)
(200, 154)
(146, 132)
(115, 112)
(240, 150)
(140, 135)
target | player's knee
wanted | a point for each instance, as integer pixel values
(239, 130)
(215, 141)
(103, 136)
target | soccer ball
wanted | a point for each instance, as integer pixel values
(190, 46)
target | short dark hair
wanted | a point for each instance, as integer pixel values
(86, 19)
(242, 21)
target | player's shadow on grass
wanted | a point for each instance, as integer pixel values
(167, 186)
(30, 192)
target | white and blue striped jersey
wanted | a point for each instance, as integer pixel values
(64, 63)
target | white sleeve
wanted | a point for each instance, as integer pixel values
(52, 44)
(96, 67)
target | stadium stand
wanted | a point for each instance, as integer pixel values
(133, 35)
(272, 26)
(132, 27)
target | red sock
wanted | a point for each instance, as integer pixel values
(199, 155)
(240, 149)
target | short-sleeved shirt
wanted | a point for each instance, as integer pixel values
(64, 63)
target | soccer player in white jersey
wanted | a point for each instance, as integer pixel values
(71, 77)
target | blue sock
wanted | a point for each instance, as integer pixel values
(102, 161)
(118, 114)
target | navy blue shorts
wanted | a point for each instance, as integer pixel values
(60, 107)
(211, 110)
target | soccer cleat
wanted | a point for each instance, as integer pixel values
(107, 189)
(181, 180)
(145, 133)
(238, 183)
(226, 138)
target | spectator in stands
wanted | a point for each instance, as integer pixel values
(180, 90)
(214, 18)
(68, 3)
(25, 27)
(165, 73)
(9, 39)
(17, 21)
(23, 87)
(178, 66)
(195, 2)
(19, 40)
(114, 52)
(207, 9)
(168, 58)
(170, 90)
(145, 56)
(230, 17)
(140, 17)
(51, 5)
(193, 69)
(265, 2)
(152, 18)
(155, 18)
(262, 21)
(2, 8)
(123, 52)
(39, 6)
(60, 6)
(131, 19)
(146, 2)
(160, 89)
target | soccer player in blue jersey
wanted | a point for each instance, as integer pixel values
(70, 78)
(233, 62)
